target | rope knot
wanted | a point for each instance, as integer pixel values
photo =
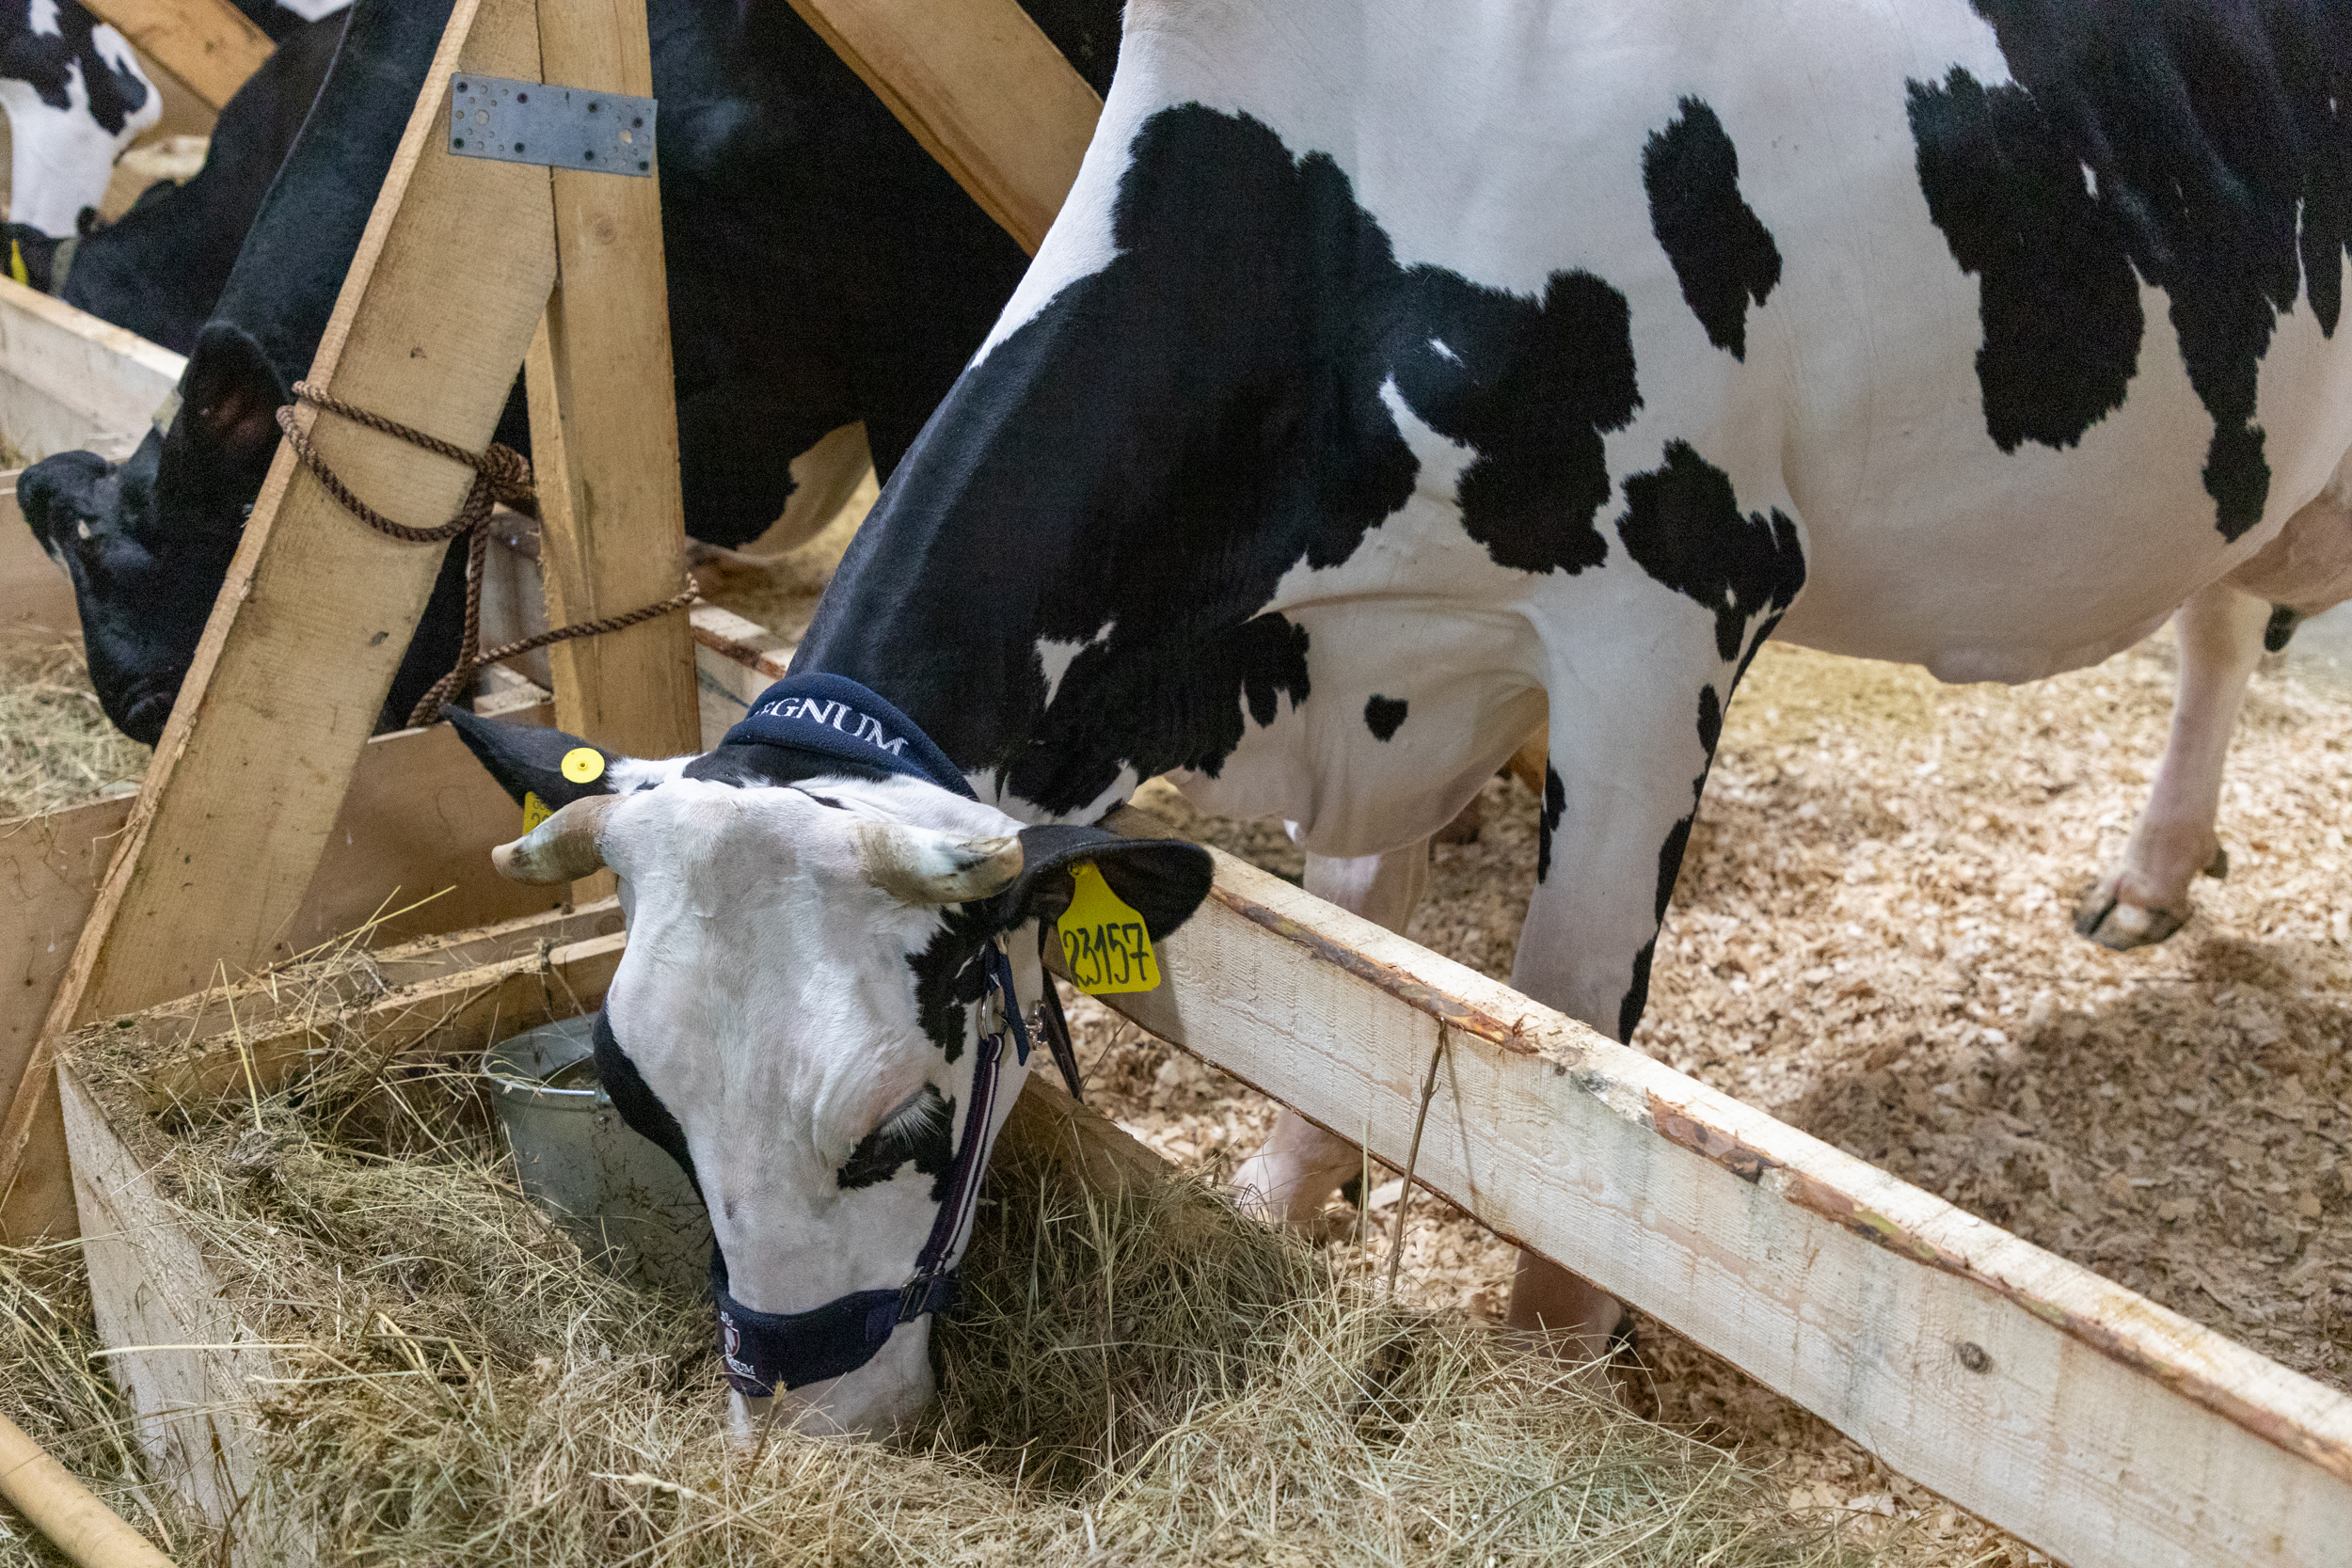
(501, 475)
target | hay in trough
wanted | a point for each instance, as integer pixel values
(56, 747)
(1136, 1375)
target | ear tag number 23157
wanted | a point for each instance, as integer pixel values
(1103, 940)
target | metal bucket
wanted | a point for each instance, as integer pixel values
(618, 1193)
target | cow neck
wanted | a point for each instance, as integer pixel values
(835, 717)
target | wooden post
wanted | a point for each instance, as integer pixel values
(207, 43)
(450, 279)
(604, 420)
(983, 89)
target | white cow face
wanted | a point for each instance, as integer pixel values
(799, 1007)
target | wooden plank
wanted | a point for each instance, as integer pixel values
(208, 44)
(463, 1010)
(2088, 1420)
(151, 1286)
(735, 661)
(36, 596)
(317, 609)
(66, 377)
(982, 87)
(604, 420)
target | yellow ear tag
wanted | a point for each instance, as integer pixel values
(17, 268)
(583, 765)
(1103, 939)
(535, 811)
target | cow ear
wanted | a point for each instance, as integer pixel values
(1162, 880)
(229, 397)
(534, 760)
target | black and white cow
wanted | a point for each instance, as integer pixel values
(824, 272)
(159, 269)
(1399, 371)
(76, 98)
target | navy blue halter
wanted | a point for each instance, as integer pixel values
(835, 717)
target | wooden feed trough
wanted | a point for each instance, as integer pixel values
(2080, 1416)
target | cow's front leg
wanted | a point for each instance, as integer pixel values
(1620, 796)
(2144, 898)
(1302, 1166)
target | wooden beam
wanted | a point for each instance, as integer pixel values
(68, 378)
(317, 609)
(604, 420)
(208, 44)
(982, 87)
(2091, 1422)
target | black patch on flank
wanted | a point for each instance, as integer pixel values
(1723, 255)
(1683, 525)
(1547, 820)
(922, 1129)
(1710, 718)
(950, 975)
(2202, 149)
(1382, 714)
(1221, 384)
(2280, 629)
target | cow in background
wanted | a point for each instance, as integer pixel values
(823, 272)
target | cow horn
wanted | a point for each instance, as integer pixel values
(564, 848)
(925, 867)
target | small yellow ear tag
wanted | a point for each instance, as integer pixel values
(17, 268)
(1103, 939)
(535, 811)
(583, 765)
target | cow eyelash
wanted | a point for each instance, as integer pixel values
(916, 1127)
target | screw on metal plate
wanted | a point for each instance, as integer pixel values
(530, 123)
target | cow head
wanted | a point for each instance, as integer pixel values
(147, 541)
(798, 1014)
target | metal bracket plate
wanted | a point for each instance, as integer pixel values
(531, 122)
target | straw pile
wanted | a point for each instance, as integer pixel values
(57, 748)
(1135, 1375)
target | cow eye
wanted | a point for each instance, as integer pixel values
(920, 1128)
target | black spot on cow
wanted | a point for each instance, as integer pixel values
(46, 62)
(1547, 820)
(1637, 994)
(1723, 255)
(1382, 714)
(1670, 853)
(1683, 525)
(2199, 149)
(2280, 629)
(1530, 386)
(922, 1129)
(950, 975)
(1223, 384)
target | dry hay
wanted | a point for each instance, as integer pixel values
(54, 1385)
(57, 746)
(1138, 1376)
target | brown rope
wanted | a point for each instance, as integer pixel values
(500, 474)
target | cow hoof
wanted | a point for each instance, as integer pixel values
(2120, 927)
